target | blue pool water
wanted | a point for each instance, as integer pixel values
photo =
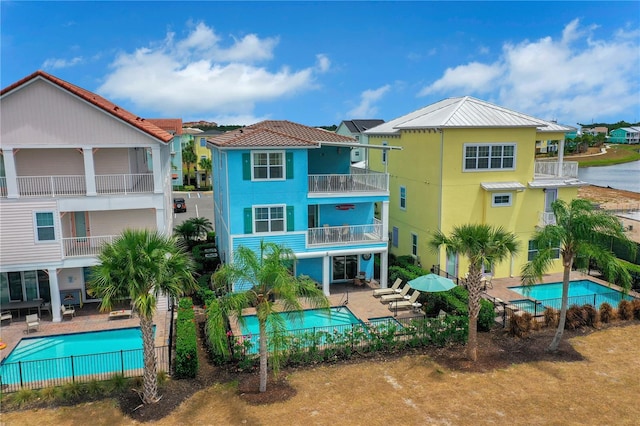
(581, 292)
(311, 318)
(67, 355)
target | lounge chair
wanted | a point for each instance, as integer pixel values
(67, 311)
(33, 322)
(382, 291)
(396, 296)
(406, 304)
(6, 315)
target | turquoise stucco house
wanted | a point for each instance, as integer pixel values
(294, 185)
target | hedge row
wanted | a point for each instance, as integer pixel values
(186, 342)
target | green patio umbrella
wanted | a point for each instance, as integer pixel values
(431, 283)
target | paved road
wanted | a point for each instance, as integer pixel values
(199, 204)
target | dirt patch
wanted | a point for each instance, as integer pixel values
(609, 198)
(278, 390)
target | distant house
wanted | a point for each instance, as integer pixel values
(465, 161)
(76, 170)
(626, 135)
(594, 131)
(355, 129)
(294, 185)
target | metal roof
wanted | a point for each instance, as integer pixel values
(498, 186)
(556, 183)
(461, 112)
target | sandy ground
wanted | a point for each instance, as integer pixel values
(616, 200)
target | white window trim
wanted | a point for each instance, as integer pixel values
(284, 166)
(35, 228)
(489, 169)
(400, 197)
(284, 219)
(415, 255)
(501, 194)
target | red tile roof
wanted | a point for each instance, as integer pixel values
(275, 133)
(113, 109)
(171, 125)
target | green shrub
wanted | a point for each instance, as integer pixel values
(94, 387)
(188, 188)
(117, 383)
(71, 391)
(23, 397)
(404, 260)
(50, 394)
(607, 314)
(186, 365)
(456, 302)
(625, 310)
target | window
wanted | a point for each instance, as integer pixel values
(501, 200)
(269, 219)
(532, 251)
(403, 198)
(45, 230)
(267, 165)
(384, 153)
(394, 237)
(414, 244)
(489, 156)
(203, 142)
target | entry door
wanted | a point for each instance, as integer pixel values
(550, 195)
(452, 264)
(80, 226)
(312, 216)
(345, 267)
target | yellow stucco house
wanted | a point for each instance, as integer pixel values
(465, 160)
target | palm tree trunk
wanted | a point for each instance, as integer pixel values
(150, 384)
(563, 309)
(263, 356)
(473, 286)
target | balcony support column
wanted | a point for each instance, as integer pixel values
(89, 171)
(54, 290)
(157, 170)
(561, 158)
(385, 221)
(11, 175)
(326, 277)
(384, 267)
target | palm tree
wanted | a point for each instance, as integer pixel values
(273, 289)
(187, 232)
(189, 157)
(202, 225)
(140, 265)
(481, 245)
(578, 233)
(205, 165)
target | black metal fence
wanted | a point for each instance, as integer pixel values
(537, 307)
(77, 368)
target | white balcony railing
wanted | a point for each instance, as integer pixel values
(551, 169)
(346, 234)
(546, 218)
(124, 184)
(51, 186)
(358, 181)
(84, 246)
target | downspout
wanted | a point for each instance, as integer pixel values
(441, 191)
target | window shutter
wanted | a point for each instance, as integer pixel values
(290, 223)
(246, 166)
(289, 165)
(248, 220)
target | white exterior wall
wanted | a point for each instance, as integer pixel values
(114, 222)
(17, 228)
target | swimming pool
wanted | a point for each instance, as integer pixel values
(581, 292)
(41, 359)
(311, 318)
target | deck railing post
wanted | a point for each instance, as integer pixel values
(20, 371)
(122, 361)
(73, 373)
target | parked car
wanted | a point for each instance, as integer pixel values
(179, 206)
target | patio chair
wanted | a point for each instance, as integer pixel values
(396, 296)
(6, 315)
(70, 311)
(412, 303)
(33, 322)
(382, 291)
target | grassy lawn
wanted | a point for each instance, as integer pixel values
(413, 390)
(617, 154)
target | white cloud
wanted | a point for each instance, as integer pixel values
(200, 75)
(575, 78)
(322, 63)
(366, 109)
(57, 63)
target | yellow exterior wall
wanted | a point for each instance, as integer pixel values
(440, 195)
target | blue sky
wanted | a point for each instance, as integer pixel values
(318, 63)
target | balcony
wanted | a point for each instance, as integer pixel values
(359, 180)
(345, 235)
(546, 218)
(59, 186)
(551, 170)
(84, 246)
